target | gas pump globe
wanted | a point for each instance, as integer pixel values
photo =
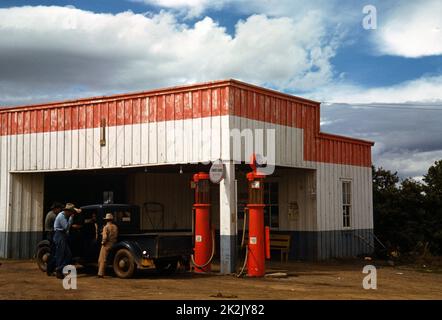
(202, 190)
(203, 251)
(256, 189)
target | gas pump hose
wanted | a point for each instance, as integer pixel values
(242, 244)
(211, 256)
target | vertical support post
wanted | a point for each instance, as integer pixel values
(228, 219)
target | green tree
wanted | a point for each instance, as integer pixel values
(433, 222)
(408, 214)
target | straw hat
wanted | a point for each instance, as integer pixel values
(71, 207)
(109, 216)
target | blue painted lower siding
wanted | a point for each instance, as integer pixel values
(323, 245)
(228, 253)
(19, 245)
(305, 245)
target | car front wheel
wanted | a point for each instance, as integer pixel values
(124, 264)
(43, 255)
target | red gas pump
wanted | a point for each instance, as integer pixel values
(256, 252)
(203, 239)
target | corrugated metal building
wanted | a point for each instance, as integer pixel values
(320, 192)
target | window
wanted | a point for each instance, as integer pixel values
(123, 216)
(346, 204)
(271, 200)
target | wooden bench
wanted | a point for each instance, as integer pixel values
(281, 242)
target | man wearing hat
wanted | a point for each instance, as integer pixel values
(49, 232)
(109, 237)
(50, 218)
(61, 227)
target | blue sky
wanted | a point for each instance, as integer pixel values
(317, 49)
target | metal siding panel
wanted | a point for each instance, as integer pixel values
(161, 109)
(96, 147)
(170, 141)
(3, 187)
(162, 157)
(137, 140)
(128, 121)
(60, 149)
(153, 142)
(188, 139)
(144, 109)
(179, 140)
(249, 105)
(225, 138)
(206, 139)
(272, 110)
(112, 146)
(278, 111)
(216, 102)
(196, 104)
(169, 107)
(89, 147)
(187, 105)
(37, 202)
(119, 113)
(152, 107)
(19, 122)
(120, 147)
(144, 130)
(81, 148)
(179, 106)
(13, 123)
(145, 143)
(216, 137)
(259, 107)
(206, 107)
(19, 152)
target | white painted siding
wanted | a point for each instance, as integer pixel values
(329, 196)
(289, 156)
(295, 187)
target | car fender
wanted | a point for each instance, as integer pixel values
(129, 245)
(43, 243)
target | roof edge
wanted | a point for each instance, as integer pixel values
(97, 99)
(330, 136)
(238, 83)
(140, 94)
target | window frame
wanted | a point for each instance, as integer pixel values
(269, 206)
(348, 204)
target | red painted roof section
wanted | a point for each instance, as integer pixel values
(224, 97)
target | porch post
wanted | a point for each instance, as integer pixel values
(228, 219)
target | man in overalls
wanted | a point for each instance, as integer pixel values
(109, 238)
(63, 254)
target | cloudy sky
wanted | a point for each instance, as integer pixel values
(382, 84)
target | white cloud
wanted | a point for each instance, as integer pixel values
(193, 8)
(412, 29)
(48, 51)
(424, 89)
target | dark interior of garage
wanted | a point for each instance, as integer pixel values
(84, 188)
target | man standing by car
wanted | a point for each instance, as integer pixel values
(49, 234)
(61, 227)
(50, 219)
(109, 237)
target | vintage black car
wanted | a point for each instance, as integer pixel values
(135, 248)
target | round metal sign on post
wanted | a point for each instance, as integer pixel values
(216, 173)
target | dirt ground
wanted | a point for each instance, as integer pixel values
(328, 280)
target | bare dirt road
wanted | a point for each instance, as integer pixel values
(331, 280)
